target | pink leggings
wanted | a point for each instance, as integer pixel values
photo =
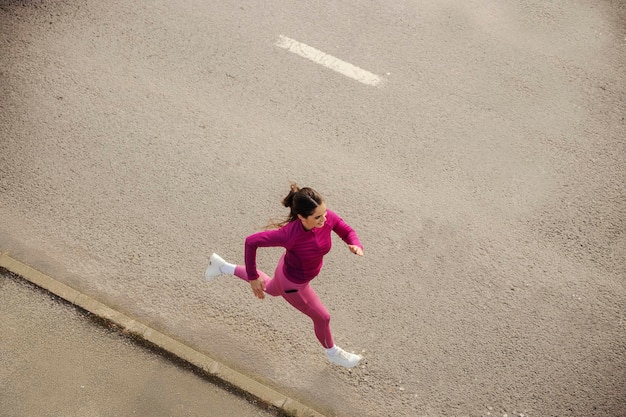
(301, 296)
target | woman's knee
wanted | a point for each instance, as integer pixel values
(321, 316)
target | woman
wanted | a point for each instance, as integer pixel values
(306, 237)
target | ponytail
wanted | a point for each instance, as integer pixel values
(299, 201)
(288, 200)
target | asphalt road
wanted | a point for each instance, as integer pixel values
(484, 175)
(58, 361)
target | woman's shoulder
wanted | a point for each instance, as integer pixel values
(335, 221)
(292, 228)
(331, 215)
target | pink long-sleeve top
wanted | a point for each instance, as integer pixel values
(305, 249)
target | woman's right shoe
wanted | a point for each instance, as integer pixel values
(343, 358)
(213, 269)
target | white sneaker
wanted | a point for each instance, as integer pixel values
(343, 358)
(213, 269)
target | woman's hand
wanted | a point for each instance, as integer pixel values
(356, 250)
(258, 286)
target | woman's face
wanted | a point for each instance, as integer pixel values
(317, 219)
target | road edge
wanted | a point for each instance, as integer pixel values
(199, 360)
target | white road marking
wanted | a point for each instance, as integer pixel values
(329, 61)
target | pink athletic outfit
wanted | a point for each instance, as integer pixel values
(302, 261)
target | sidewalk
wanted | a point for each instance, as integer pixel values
(58, 360)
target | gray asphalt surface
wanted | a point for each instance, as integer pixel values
(485, 178)
(58, 361)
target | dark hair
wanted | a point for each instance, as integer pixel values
(302, 201)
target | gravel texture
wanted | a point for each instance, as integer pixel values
(485, 179)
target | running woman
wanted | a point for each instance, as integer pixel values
(306, 237)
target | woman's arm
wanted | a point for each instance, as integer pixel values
(346, 233)
(266, 238)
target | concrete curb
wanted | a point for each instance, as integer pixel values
(199, 360)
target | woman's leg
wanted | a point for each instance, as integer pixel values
(218, 266)
(307, 301)
(303, 298)
(270, 284)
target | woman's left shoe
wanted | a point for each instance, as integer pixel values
(213, 270)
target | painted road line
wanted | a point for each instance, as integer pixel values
(329, 61)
